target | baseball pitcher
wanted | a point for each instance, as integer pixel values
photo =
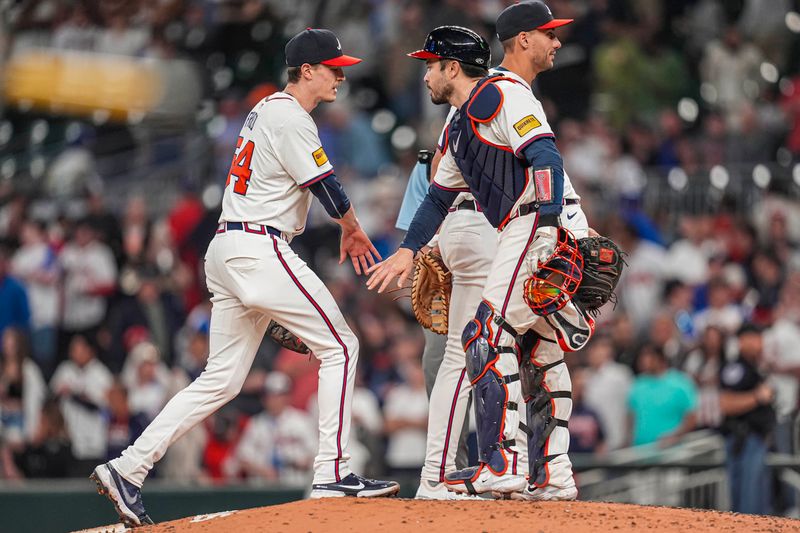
(256, 277)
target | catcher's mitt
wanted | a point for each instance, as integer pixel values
(430, 292)
(286, 338)
(602, 266)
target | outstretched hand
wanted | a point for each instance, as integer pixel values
(357, 245)
(399, 265)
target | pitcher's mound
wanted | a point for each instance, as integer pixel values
(400, 515)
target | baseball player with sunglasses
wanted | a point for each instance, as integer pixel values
(501, 149)
(255, 277)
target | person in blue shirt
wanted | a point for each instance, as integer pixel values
(14, 308)
(662, 400)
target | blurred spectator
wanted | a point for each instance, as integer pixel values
(406, 420)
(136, 232)
(606, 388)
(14, 310)
(782, 360)
(585, 430)
(151, 309)
(36, 265)
(49, 453)
(730, 67)
(81, 384)
(746, 402)
(640, 287)
(22, 389)
(223, 430)
(766, 279)
(89, 278)
(722, 311)
(278, 444)
(662, 400)
(124, 423)
(687, 258)
(703, 364)
(147, 380)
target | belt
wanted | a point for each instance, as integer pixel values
(469, 205)
(258, 229)
(527, 209)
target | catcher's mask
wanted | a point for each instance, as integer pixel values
(557, 278)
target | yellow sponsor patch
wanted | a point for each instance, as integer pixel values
(320, 157)
(526, 125)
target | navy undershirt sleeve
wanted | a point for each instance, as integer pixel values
(543, 153)
(331, 195)
(430, 215)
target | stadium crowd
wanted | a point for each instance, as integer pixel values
(679, 122)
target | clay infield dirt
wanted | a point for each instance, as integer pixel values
(401, 515)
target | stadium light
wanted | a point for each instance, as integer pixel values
(761, 176)
(688, 109)
(719, 177)
(783, 156)
(769, 72)
(383, 121)
(708, 93)
(678, 179)
(8, 168)
(6, 131)
(403, 138)
(39, 131)
(792, 20)
(212, 196)
(38, 165)
(100, 116)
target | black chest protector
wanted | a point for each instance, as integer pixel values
(495, 176)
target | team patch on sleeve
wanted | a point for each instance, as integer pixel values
(320, 157)
(526, 125)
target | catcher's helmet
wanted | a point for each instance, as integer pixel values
(556, 278)
(455, 42)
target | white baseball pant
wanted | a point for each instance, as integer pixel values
(515, 260)
(467, 242)
(255, 278)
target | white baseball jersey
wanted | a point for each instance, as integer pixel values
(278, 155)
(519, 122)
(255, 277)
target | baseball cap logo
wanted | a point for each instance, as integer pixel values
(338, 44)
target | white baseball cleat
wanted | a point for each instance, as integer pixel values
(434, 490)
(481, 479)
(546, 494)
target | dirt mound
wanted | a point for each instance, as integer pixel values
(401, 515)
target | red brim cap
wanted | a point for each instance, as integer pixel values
(424, 54)
(555, 23)
(342, 61)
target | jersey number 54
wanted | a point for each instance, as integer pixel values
(240, 166)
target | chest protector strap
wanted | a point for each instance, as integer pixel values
(495, 176)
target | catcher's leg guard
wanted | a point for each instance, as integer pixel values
(573, 327)
(547, 390)
(494, 374)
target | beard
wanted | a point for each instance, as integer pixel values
(443, 96)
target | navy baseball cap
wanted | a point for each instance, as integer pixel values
(314, 46)
(455, 42)
(526, 16)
